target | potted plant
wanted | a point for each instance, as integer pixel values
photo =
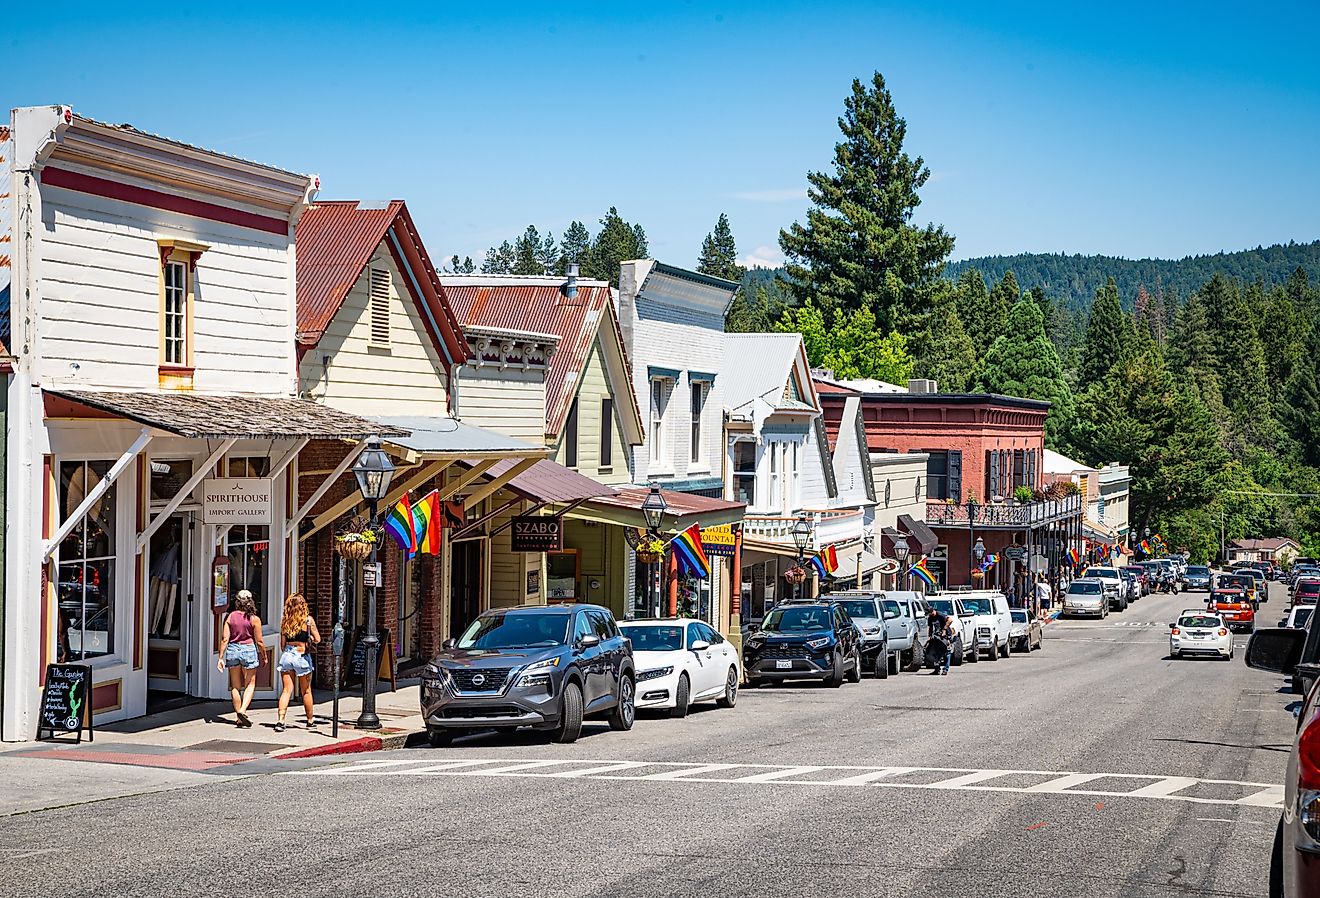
(1024, 495)
(795, 575)
(650, 550)
(356, 540)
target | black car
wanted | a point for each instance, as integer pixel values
(534, 666)
(808, 640)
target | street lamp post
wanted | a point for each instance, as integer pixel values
(653, 508)
(374, 471)
(972, 509)
(901, 552)
(801, 539)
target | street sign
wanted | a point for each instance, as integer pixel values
(370, 573)
(1039, 564)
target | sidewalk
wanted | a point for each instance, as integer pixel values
(191, 745)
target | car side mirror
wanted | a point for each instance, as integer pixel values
(699, 645)
(1278, 649)
(449, 643)
(589, 640)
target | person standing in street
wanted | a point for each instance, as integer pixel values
(941, 628)
(298, 632)
(1042, 594)
(242, 651)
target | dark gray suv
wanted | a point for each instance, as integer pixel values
(531, 666)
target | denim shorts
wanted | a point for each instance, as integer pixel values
(241, 655)
(294, 662)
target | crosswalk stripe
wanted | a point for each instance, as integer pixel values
(1269, 797)
(1166, 786)
(776, 774)
(870, 776)
(689, 771)
(1067, 781)
(596, 771)
(512, 768)
(969, 779)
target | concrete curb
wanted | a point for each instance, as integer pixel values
(385, 742)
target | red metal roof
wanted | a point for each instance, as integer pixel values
(539, 305)
(547, 481)
(676, 503)
(336, 239)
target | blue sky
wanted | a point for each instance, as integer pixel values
(1143, 130)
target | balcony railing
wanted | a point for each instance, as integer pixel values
(828, 527)
(1005, 515)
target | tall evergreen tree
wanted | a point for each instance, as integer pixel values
(1242, 363)
(616, 242)
(463, 266)
(973, 301)
(755, 315)
(1003, 296)
(940, 346)
(1106, 335)
(719, 253)
(574, 246)
(499, 259)
(858, 247)
(1300, 410)
(1022, 362)
(531, 253)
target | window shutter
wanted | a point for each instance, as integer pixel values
(955, 475)
(992, 475)
(380, 306)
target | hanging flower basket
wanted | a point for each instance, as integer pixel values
(795, 575)
(650, 551)
(355, 545)
(978, 575)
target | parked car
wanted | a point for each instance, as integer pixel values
(1306, 592)
(1086, 596)
(868, 614)
(1200, 634)
(1234, 608)
(1259, 578)
(964, 639)
(1197, 577)
(1297, 616)
(809, 640)
(1133, 583)
(543, 667)
(993, 623)
(1112, 580)
(1142, 575)
(908, 629)
(681, 662)
(1294, 872)
(1027, 632)
(1244, 582)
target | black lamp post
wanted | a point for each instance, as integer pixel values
(374, 471)
(901, 552)
(801, 539)
(653, 508)
(972, 508)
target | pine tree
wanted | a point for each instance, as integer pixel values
(719, 253)
(858, 247)
(528, 252)
(466, 266)
(942, 350)
(1148, 314)
(616, 242)
(1003, 296)
(1300, 410)
(1106, 335)
(1022, 362)
(1246, 388)
(574, 247)
(974, 308)
(499, 259)
(755, 315)
(1283, 334)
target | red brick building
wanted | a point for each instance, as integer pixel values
(982, 448)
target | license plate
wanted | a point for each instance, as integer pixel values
(784, 665)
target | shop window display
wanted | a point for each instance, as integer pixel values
(85, 573)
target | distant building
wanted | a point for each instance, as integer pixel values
(1279, 549)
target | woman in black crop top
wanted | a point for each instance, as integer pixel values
(298, 632)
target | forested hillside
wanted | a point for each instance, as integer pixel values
(1073, 280)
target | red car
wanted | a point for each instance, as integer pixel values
(1235, 608)
(1306, 592)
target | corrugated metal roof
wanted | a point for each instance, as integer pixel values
(549, 482)
(540, 306)
(336, 239)
(758, 367)
(449, 435)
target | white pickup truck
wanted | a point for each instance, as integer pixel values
(951, 605)
(990, 621)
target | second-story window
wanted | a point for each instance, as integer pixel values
(174, 334)
(744, 472)
(571, 437)
(698, 407)
(659, 399)
(606, 433)
(937, 474)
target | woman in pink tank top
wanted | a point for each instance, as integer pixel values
(242, 651)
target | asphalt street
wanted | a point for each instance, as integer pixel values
(1096, 766)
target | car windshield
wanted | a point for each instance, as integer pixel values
(1300, 614)
(797, 620)
(1200, 620)
(502, 630)
(654, 638)
(1199, 571)
(978, 606)
(943, 606)
(1019, 617)
(1084, 589)
(859, 607)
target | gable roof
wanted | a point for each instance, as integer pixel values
(538, 304)
(1270, 544)
(758, 366)
(336, 240)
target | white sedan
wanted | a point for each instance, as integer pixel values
(679, 662)
(1200, 634)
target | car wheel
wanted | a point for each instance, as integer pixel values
(570, 714)
(439, 737)
(893, 662)
(882, 661)
(730, 697)
(1297, 685)
(994, 651)
(682, 697)
(916, 656)
(1008, 648)
(971, 657)
(835, 679)
(625, 712)
(855, 674)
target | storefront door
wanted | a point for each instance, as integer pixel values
(465, 585)
(170, 604)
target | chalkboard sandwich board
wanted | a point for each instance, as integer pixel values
(385, 670)
(66, 702)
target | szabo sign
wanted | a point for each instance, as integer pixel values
(236, 500)
(537, 534)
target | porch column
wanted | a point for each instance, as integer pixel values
(671, 577)
(735, 593)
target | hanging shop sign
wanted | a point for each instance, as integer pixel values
(237, 500)
(532, 533)
(719, 540)
(1016, 553)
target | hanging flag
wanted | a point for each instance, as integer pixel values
(989, 561)
(690, 552)
(399, 524)
(426, 523)
(818, 566)
(828, 559)
(922, 573)
(1075, 556)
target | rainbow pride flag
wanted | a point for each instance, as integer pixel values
(426, 523)
(691, 553)
(922, 573)
(1075, 556)
(399, 524)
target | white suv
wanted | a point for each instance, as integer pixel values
(1115, 586)
(993, 621)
